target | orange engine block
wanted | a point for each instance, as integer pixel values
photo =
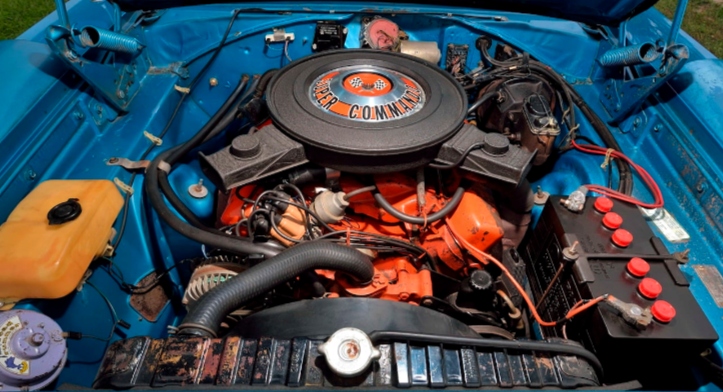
(475, 221)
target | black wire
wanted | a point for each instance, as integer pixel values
(114, 315)
(360, 235)
(486, 97)
(625, 184)
(145, 154)
(233, 114)
(416, 220)
(300, 195)
(135, 289)
(359, 191)
(303, 207)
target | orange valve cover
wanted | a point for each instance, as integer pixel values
(43, 260)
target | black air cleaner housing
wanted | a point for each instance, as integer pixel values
(363, 111)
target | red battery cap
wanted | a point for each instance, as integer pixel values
(662, 311)
(622, 238)
(638, 267)
(603, 204)
(612, 220)
(650, 288)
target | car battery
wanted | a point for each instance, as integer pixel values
(614, 252)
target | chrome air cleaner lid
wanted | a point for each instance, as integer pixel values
(367, 94)
(366, 111)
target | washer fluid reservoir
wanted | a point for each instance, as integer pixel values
(51, 237)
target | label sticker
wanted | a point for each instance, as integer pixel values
(668, 226)
(712, 280)
(8, 360)
(367, 95)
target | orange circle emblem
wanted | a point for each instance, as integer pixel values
(368, 84)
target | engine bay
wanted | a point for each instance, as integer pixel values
(356, 201)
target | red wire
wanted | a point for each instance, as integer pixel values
(644, 175)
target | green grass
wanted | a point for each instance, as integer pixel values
(17, 16)
(703, 21)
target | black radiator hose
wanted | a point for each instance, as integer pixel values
(205, 317)
(203, 235)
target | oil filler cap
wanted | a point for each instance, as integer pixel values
(650, 288)
(663, 311)
(64, 212)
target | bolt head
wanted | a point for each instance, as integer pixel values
(37, 339)
(121, 94)
(213, 82)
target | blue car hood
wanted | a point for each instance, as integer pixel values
(604, 12)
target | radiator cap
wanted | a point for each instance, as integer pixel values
(349, 352)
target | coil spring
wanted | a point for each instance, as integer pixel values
(109, 40)
(629, 55)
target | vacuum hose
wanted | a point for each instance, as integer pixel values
(415, 220)
(206, 315)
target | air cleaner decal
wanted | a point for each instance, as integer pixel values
(367, 95)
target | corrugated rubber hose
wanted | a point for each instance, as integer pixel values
(206, 315)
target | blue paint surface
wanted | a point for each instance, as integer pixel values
(55, 126)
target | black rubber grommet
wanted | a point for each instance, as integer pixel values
(64, 212)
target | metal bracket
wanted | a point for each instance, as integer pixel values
(279, 35)
(114, 80)
(128, 164)
(623, 93)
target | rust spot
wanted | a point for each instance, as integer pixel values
(151, 302)
(352, 350)
(544, 362)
